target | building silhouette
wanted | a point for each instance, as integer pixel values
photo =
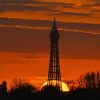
(3, 90)
(54, 75)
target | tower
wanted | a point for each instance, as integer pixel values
(54, 66)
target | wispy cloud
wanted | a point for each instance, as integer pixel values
(74, 14)
(32, 6)
(40, 6)
(78, 45)
(46, 25)
(18, 1)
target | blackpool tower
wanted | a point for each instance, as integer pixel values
(54, 75)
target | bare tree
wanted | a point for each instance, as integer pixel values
(22, 86)
(90, 80)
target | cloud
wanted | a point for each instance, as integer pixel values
(72, 44)
(98, 11)
(19, 58)
(37, 6)
(79, 27)
(97, 1)
(24, 22)
(16, 5)
(23, 40)
(4, 8)
(80, 45)
(18, 1)
(60, 4)
(46, 25)
(49, 8)
(29, 56)
(77, 40)
(91, 3)
(13, 58)
(31, 5)
(74, 14)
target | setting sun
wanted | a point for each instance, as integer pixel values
(64, 86)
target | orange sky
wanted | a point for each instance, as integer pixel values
(24, 38)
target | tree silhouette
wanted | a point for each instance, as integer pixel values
(21, 90)
(90, 80)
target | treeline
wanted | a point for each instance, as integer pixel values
(91, 80)
(85, 87)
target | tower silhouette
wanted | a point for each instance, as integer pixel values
(54, 66)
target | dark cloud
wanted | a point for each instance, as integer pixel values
(97, 1)
(98, 11)
(92, 3)
(85, 27)
(59, 4)
(18, 1)
(39, 5)
(35, 5)
(80, 45)
(36, 2)
(72, 44)
(33, 9)
(4, 8)
(23, 40)
(24, 22)
(74, 14)
(17, 5)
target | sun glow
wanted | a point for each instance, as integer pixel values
(64, 86)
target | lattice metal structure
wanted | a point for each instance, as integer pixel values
(54, 66)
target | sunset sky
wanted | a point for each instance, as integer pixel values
(24, 38)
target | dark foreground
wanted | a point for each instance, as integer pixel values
(73, 95)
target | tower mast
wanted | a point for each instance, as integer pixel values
(54, 66)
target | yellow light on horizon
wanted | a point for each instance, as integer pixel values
(64, 86)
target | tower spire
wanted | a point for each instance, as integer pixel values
(54, 26)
